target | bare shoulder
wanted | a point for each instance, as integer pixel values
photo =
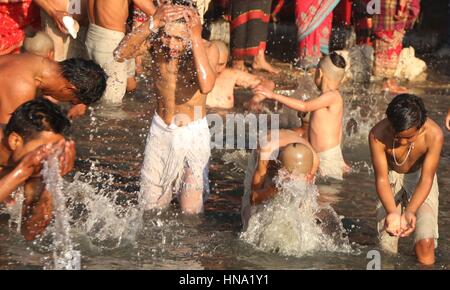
(378, 132)
(434, 132)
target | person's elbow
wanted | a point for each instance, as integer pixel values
(208, 86)
(119, 56)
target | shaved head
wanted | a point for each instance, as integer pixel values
(333, 67)
(297, 158)
(40, 44)
(223, 48)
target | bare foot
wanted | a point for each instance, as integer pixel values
(239, 65)
(260, 63)
(392, 86)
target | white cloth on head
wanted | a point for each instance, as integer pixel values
(332, 163)
(169, 151)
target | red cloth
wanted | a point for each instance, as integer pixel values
(14, 18)
(343, 12)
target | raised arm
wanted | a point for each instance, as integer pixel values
(205, 58)
(55, 9)
(146, 6)
(131, 44)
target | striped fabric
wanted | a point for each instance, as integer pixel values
(249, 27)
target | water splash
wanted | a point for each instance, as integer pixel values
(65, 257)
(293, 223)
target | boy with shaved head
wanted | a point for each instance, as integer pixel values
(325, 130)
(40, 44)
(222, 95)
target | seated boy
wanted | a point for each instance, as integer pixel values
(296, 156)
(222, 95)
(325, 129)
(35, 130)
(40, 44)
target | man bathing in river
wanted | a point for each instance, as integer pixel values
(178, 146)
(405, 149)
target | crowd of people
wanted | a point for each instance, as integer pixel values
(80, 52)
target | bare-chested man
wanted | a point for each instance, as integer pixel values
(36, 130)
(405, 149)
(106, 30)
(22, 76)
(178, 146)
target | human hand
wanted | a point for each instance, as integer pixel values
(193, 23)
(262, 90)
(31, 163)
(58, 16)
(408, 223)
(77, 111)
(167, 13)
(67, 156)
(393, 224)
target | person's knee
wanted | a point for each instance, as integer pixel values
(425, 251)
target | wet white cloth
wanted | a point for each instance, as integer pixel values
(101, 43)
(169, 151)
(403, 187)
(332, 163)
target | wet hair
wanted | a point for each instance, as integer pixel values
(88, 78)
(338, 60)
(188, 3)
(37, 116)
(405, 112)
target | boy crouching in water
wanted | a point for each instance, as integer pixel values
(325, 130)
(34, 132)
(405, 149)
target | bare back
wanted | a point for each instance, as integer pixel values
(19, 76)
(325, 131)
(110, 14)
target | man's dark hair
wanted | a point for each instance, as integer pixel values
(36, 116)
(337, 60)
(88, 78)
(189, 3)
(405, 112)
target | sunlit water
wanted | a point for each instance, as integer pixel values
(111, 232)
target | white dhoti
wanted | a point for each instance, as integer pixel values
(403, 187)
(170, 153)
(332, 163)
(100, 44)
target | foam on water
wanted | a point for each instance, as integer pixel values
(293, 223)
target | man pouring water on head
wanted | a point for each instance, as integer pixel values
(178, 146)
